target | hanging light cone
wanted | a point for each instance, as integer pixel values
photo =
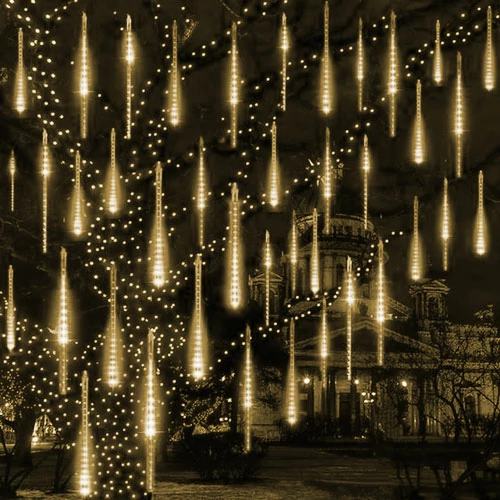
(113, 369)
(360, 65)
(268, 262)
(274, 173)
(327, 183)
(84, 78)
(234, 87)
(326, 94)
(84, 472)
(63, 327)
(416, 259)
(198, 340)
(294, 252)
(201, 194)
(445, 225)
(113, 190)
(45, 171)
(418, 129)
(393, 76)
(285, 46)
(380, 304)
(174, 91)
(480, 243)
(350, 299)
(459, 118)
(248, 390)
(314, 269)
(234, 287)
(150, 414)
(11, 313)
(366, 165)
(20, 85)
(12, 173)
(158, 267)
(129, 67)
(292, 379)
(489, 74)
(78, 201)
(437, 63)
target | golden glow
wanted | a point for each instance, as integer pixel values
(314, 270)
(45, 189)
(416, 260)
(360, 65)
(326, 66)
(285, 45)
(150, 407)
(234, 88)
(63, 327)
(292, 383)
(129, 59)
(201, 193)
(197, 357)
(445, 224)
(78, 208)
(350, 299)
(85, 479)
(480, 229)
(327, 182)
(20, 85)
(113, 368)
(248, 390)
(12, 172)
(113, 189)
(294, 250)
(437, 67)
(380, 304)
(489, 75)
(234, 288)
(459, 117)
(267, 264)
(11, 313)
(418, 129)
(159, 251)
(274, 174)
(84, 78)
(366, 164)
(393, 74)
(174, 96)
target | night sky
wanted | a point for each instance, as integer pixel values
(394, 180)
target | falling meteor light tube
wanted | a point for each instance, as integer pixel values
(274, 174)
(20, 85)
(84, 79)
(445, 224)
(366, 165)
(416, 261)
(234, 88)
(234, 264)
(11, 313)
(129, 60)
(285, 46)
(292, 382)
(326, 66)
(248, 390)
(437, 64)
(113, 362)
(267, 264)
(489, 74)
(349, 304)
(197, 342)
(459, 118)
(12, 172)
(480, 229)
(78, 208)
(159, 251)
(315, 256)
(392, 81)
(113, 188)
(85, 478)
(324, 354)
(293, 255)
(45, 170)
(174, 97)
(380, 304)
(63, 327)
(327, 183)
(150, 415)
(201, 194)
(418, 128)
(360, 65)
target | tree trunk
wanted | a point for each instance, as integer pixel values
(25, 424)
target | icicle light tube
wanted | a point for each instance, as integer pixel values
(489, 78)
(11, 313)
(274, 174)
(326, 69)
(416, 262)
(459, 118)
(159, 259)
(63, 327)
(418, 128)
(78, 202)
(445, 224)
(437, 65)
(248, 390)
(20, 85)
(285, 46)
(45, 170)
(267, 265)
(314, 270)
(327, 183)
(84, 79)
(480, 230)
(174, 98)
(323, 348)
(366, 165)
(113, 191)
(234, 286)
(201, 194)
(113, 355)
(392, 80)
(234, 89)
(197, 360)
(12, 172)
(349, 304)
(380, 304)
(292, 383)
(129, 60)
(360, 65)
(150, 415)
(85, 479)
(293, 255)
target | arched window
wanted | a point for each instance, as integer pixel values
(339, 274)
(470, 405)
